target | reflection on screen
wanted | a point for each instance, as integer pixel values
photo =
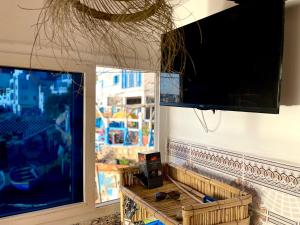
(40, 140)
(170, 88)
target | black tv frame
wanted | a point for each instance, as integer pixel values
(272, 110)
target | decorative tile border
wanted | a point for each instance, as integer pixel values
(278, 219)
(277, 176)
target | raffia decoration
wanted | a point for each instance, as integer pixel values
(115, 27)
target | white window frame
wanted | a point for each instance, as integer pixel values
(86, 210)
(156, 122)
(77, 212)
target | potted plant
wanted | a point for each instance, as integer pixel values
(145, 131)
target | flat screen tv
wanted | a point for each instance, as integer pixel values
(233, 61)
(41, 139)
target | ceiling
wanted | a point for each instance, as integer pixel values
(16, 24)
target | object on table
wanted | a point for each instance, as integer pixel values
(150, 221)
(141, 222)
(130, 208)
(185, 190)
(208, 199)
(151, 169)
(191, 190)
(175, 195)
(155, 222)
(160, 196)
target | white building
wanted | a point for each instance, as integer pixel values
(24, 91)
(4, 97)
(61, 85)
(117, 87)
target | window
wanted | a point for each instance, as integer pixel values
(123, 127)
(41, 153)
(116, 79)
(124, 79)
(139, 79)
(131, 79)
(70, 213)
(133, 100)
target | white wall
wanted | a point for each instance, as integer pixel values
(16, 39)
(17, 22)
(266, 136)
(269, 136)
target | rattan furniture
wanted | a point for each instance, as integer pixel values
(230, 209)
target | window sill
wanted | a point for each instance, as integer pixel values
(108, 203)
(64, 215)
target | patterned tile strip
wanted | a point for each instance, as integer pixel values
(274, 175)
(275, 222)
(281, 219)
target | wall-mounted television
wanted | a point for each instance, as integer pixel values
(233, 60)
(41, 139)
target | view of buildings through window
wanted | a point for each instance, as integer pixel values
(125, 109)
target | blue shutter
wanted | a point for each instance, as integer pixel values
(131, 79)
(123, 79)
(127, 79)
(139, 79)
(116, 79)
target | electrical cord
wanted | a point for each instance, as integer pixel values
(203, 118)
(204, 123)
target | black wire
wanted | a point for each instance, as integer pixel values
(204, 123)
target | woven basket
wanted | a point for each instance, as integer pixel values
(230, 209)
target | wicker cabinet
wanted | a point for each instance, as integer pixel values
(230, 209)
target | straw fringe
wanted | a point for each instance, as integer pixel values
(112, 27)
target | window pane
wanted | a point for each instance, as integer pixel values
(124, 125)
(116, 80)
(41, 140)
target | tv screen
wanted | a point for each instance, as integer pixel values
(41, 139)
(233, 61)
